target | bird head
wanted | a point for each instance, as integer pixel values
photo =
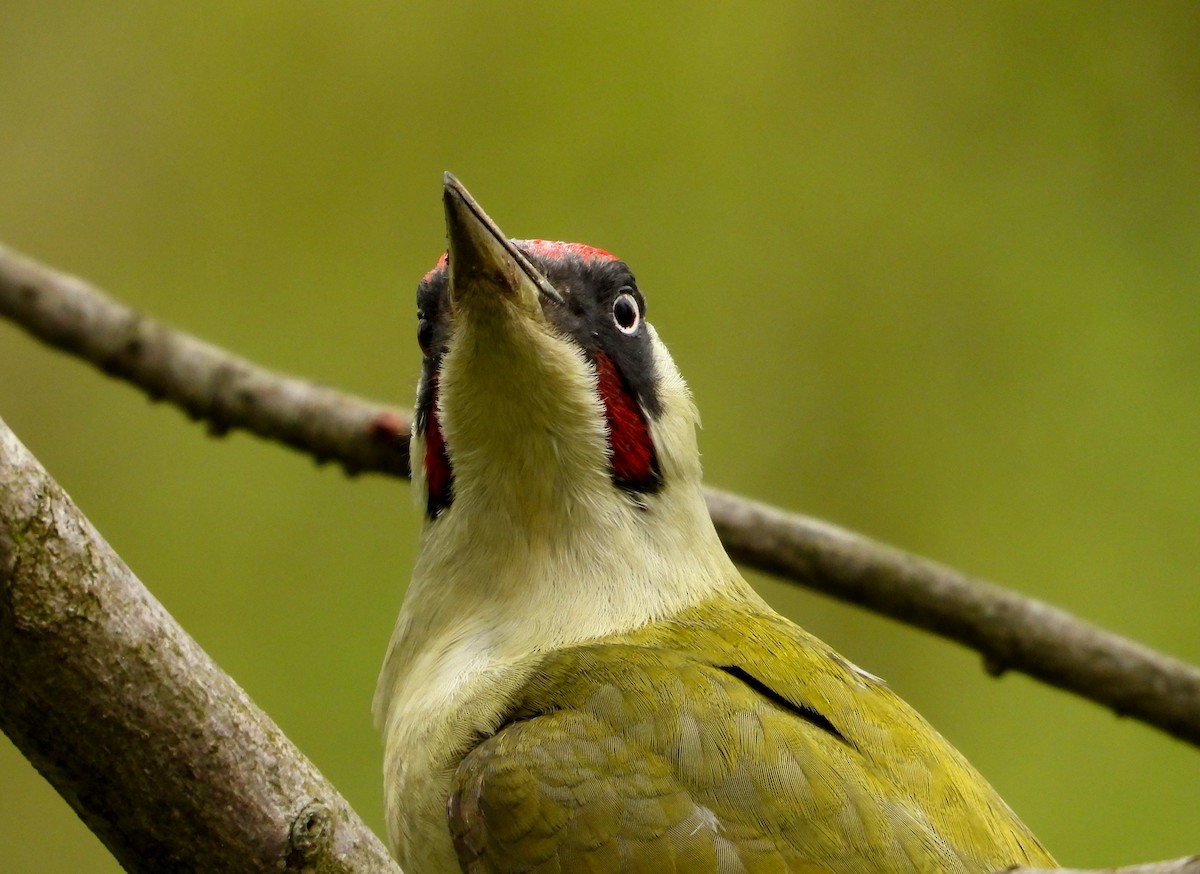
(554, 452)
(544, 390)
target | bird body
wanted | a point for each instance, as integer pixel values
(580, 679)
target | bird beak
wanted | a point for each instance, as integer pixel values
(483, 261)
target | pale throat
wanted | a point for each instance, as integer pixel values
(539, 549)
(516, 444)
(495, 584)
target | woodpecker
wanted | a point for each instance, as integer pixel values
(580, 679)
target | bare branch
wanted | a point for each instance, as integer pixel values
(1010, 630)
(208, 383)
(161, 754)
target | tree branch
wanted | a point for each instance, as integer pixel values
(1012, 632)
(158, 751)
(208, 383)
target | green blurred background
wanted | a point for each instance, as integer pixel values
(931, 270)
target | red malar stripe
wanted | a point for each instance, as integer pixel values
(439, 476)
(633, 462)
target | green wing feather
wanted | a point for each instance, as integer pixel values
(722, 740)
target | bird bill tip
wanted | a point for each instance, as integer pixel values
(480, 253)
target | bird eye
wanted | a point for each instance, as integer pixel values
(424, 333)
(626, 313)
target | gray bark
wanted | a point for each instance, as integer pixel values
(160, 753)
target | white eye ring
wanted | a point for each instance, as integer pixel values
(627, 316)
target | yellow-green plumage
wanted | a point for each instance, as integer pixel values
(645, 752)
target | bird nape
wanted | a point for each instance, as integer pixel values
(579, 678)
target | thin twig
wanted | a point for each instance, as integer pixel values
(208, 383)
(160, 753)
(1013, 632)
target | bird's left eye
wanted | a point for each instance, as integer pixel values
(626, 314)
